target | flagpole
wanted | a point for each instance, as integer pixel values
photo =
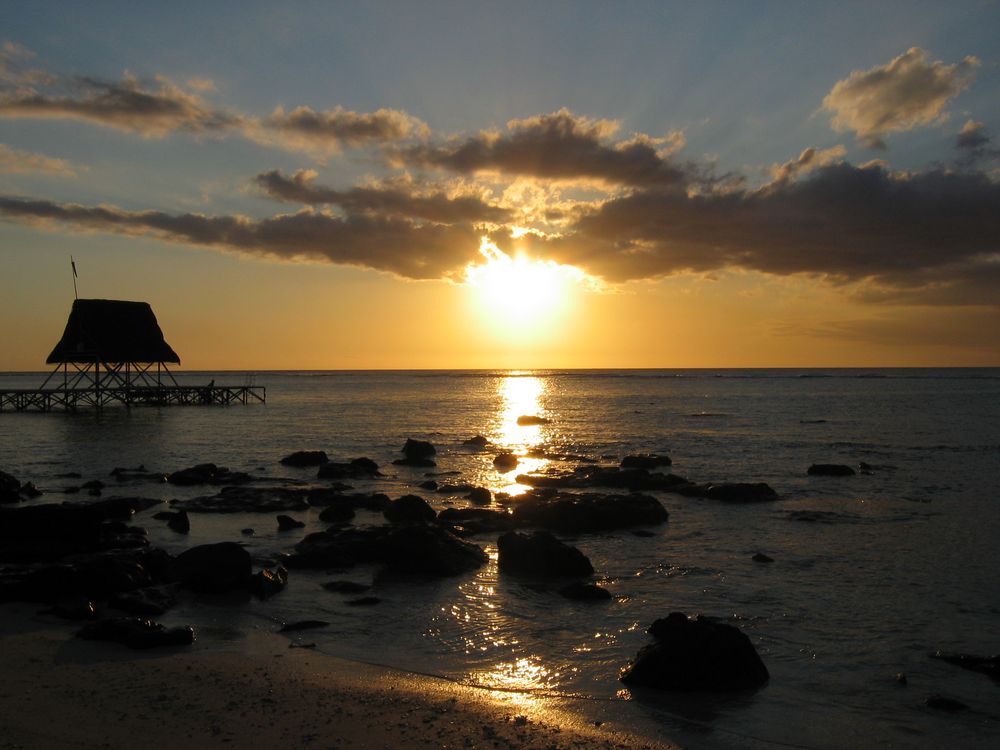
(72, 263)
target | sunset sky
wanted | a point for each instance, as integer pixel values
(493, 185)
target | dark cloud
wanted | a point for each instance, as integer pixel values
(306, 128)
(908, 92)
(557, 146)
(151, 110)
(843, 222)
(974, 145)
(405, 248)
(301, 187)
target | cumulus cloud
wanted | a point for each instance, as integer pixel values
(556, 146)
(13, 161)
(395, 200)
(408, 249)
(974, 145)
(15, 70)
(151, 110)
(908, 92)
(330, 130)
(810, 159)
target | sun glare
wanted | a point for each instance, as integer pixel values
(521, 295)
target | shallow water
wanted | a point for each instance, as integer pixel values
(896, 564)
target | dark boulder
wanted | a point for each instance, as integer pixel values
(540, 554)
(645, 461)
(30, 491)
(588, 512)
(213, 568)
(10, 488)
(741, 492)
(93, 484)
(698, 654)
(526, 420)
(430, 551)
(409, 509)
(604, 476)
(207, 474)
(415, 461)
(176, 520)
(340, 548)
(430, 484)
(147, 602)
(267, 582)
(480, 496)
(339, 513)
(586, 592)
(325, 498)
(505, 462)
(762, 558)
(248, 500)
(292, 627)
(830, 470)
(988, 665)
(72, 608)
(287, 523)
(136, 632)
(418, 449)
(305, 458)
(944, 703)
(357, 468)
(477, 441)
(477, 520)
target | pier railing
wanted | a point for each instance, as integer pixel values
(71, 399)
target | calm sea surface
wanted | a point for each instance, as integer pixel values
(900, 563)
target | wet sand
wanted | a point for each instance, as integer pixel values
(60, 692)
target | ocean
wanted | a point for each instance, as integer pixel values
(871, 573)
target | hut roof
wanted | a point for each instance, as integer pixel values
(112, 331)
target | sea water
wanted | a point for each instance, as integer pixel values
(887, 566)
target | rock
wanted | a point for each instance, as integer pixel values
(207, 474)
(603, 476)
(364, 601)
(762, 558)
(830, 470)
(505, 462)
(93, 484)
(540, 554)
(696, 654)
(645, 461)
(532, 419)
(292, 627)
(417, 462)
(418, 449)
(943, 703)
(901, 678)
(409, 509)
(10, 488)
(477, 520)
(988, 665)
(267, 582)
(136, 632)
(72, 608)
(341, 548)
(50, 531)
(358, 468)
(138, 474)
(478, 441)
(213, 568)
(455, 489)
(588, 512)
(247, 532)
(480, 496)
(326, 498)
(305, 458)
(30, 491)
(643, 533)
(430, 484)
(178, 521)
(346, 587)
(248, 500)
(731, 492)
(147, 602)
(337, 514)
(287, 523)
(587, 592)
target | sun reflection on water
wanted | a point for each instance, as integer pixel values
(520, 394)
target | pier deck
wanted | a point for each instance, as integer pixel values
(71, 399)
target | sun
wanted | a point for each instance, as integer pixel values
(521, 295)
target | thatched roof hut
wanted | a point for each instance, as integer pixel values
(104, 330)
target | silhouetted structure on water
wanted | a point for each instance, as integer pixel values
(113, 351)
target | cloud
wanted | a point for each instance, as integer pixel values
(908, 92)
(13, 161)
(556, 146)
(14, 70)
(974, 145)
(328, 131)
(408, 249)
(150, 110)
(809, 160)
(394, 200)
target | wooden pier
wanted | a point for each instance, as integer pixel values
(71, 399)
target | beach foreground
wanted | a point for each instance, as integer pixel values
(60, 692)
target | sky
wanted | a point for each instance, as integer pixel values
(507, 184)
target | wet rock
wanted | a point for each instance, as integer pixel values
(430, 484)
(207, 474)
(943, 703)
(409, 509)
(149, 602)
(645, 461)
(816, 516)
(363, 601)
(93, 484)
(603, 476)
(72, 608)
(830, 470)
(30, 491)
(326, 498)
(988, 665)
(136, 632)
(505, 462)
(643, 533)
(248, 500)
(346, 587)
(730, 492)
(418, 449)
(305, 458)
(357, 468)
(526, 420)
(138, 474)
(455, 489)
(901, 678)
(292, 627)
(287, 523)
(588, 512)
(480, 496)
(267, 582)
(477, 520)
(416, 461)
(10, 488)
(698, 654)
(213, 568)
(50, 531)
(540, 554)
(587, 592)
(247, 532)
(176, 520)
(762, 558)
(123, 508)
(340, 513)
(477, 441)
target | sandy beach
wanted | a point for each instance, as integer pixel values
(61, 692)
